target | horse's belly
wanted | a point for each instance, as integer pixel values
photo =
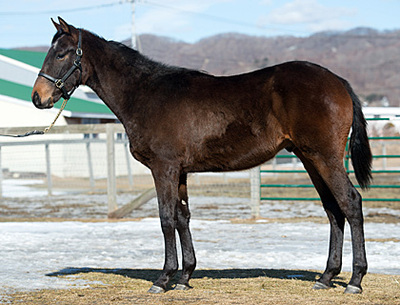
(233, 155)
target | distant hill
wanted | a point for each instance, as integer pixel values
(369, 59)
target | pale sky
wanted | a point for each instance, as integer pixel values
(27, 22)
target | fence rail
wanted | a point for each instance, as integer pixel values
(276, 172)
(349, 170)
(70, 158)
(110, 130)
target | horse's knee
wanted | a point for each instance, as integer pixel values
(168, 225)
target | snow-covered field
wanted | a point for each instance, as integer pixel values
(32, 250)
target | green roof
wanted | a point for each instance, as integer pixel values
(35, 59)
(74, 105)
(23, 92)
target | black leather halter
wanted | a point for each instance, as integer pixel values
(60, 82)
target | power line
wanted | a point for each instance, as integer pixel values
(199, 14)
(153, 4)
(254, 26)
(220, 19)
(67, 10)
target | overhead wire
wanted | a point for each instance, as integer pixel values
(58, 11)
(186, 11)
(217, 18)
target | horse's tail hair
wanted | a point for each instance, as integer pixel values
(359, 147)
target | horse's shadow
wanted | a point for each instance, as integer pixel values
(152, 274)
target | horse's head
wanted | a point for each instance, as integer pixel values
(61, 72)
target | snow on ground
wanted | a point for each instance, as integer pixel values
(30, 250)
(16, 187)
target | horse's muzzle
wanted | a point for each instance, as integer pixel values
(37, 101)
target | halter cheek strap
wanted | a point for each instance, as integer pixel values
(60, 82)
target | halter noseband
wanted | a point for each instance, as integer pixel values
(60, 82)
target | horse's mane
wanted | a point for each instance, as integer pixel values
(134, 57)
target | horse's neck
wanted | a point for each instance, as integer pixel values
(112, 78)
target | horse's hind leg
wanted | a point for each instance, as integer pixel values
(336, 220)
(349, 201)
(182, 226)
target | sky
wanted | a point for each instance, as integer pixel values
(27, 22)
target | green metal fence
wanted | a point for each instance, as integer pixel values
(385, 185)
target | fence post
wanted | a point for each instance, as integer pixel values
(255, 190)
(48, 170)
(1, 177)
(384, 154)
(111, 183)
(90, 165)
(128, 165)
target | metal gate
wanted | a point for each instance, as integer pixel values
(385, 185)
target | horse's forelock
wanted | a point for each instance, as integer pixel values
(58, 35)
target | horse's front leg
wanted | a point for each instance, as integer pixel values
(166, 182)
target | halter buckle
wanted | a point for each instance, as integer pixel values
(59, 83)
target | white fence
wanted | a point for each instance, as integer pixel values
(96, 158)
(74, 151)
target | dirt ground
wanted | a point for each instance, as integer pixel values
(237, 286)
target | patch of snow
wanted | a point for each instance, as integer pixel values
(32, 250)
(16, 187)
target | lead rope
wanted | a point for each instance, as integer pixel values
(47, 129)
(37, 132)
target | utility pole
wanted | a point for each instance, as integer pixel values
(133, 32)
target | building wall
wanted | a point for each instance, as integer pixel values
(17, 113)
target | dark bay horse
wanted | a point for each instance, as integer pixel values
(180, 121)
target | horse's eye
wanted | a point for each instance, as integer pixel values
(60, 56)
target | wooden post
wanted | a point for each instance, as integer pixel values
(90, 165)
(48, 170)
(384, 163)
(134, 204)
(111, 178)
(255, 189)
(128, 165)
(1, 177)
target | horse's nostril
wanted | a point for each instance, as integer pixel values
(36, 99)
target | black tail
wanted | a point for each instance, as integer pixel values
(360, 150)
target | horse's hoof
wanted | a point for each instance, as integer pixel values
(353, 289)
(319, 286)
(156, 289)
(182, 287)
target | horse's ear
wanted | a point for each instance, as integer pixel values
(57, 26)
(64, 27)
